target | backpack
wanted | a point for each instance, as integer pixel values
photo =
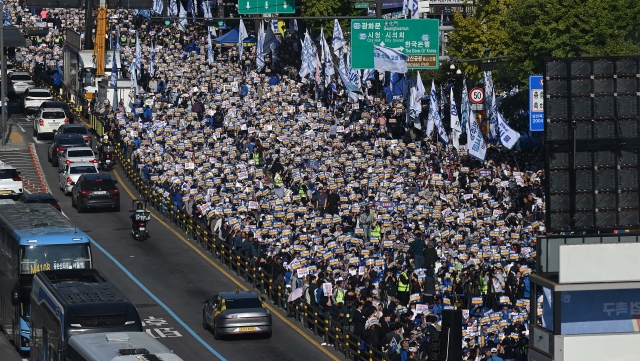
(299, 283)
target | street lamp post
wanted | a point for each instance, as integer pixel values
(3, 87)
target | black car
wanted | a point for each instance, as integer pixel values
(60, 105)
(95, 191)
(75, 129)
(60, 143)
(40, 198)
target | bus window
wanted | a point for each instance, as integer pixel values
(47, 258)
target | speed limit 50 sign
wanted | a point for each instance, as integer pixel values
(476, 95)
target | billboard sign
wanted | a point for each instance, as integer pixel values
(417, 38)
(606, 311)
(536, 104)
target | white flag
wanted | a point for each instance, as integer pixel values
(133, 77)
(152, 60)
(475, 141)
(489, 102)
(508, 136)
(138, 55)
(386, 59)
(338, 38)
(259, 52)
(413, 9)
(456, 129)
(173, 8)
(418, 95)
(327, 61)
(242, 34)
(209, 49)
(157, 6)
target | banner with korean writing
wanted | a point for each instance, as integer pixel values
(607, 311)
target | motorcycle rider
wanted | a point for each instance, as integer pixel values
(106, 141)
(139, 209)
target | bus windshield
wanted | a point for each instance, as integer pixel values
(53, 257)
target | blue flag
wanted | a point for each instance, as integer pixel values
(113, 82)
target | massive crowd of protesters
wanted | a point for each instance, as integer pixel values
(379, 226)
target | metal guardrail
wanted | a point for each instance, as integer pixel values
(321, 323)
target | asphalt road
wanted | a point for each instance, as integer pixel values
(168, 279)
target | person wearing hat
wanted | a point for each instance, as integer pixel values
(492, 355)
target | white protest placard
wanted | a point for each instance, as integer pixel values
(253, 205)
(189, 165)
(303, 272)
(327, 289)
(421, 309)
(361, 270)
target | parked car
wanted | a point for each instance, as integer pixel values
(75, 129)
(60, 143)
(62, 105)
(10, 181)
(77, 155)
(32, 98)
(47, 121)
(41, 198)
(236, 313)
(95, 191)
(18, 82)
(71, 172)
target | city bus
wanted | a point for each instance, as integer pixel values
(33, 237)
(72, 302)
(118, 346)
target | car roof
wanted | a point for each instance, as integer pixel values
(80, 148)
(50, 110)
(81, 164)
(94, 176)
(64, 126)
(19, 73)
(234, 295)
(52, 104)
(69, 136)
(34, 196)
(39, 89)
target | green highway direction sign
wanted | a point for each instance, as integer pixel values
(266, 7)
(417, 38)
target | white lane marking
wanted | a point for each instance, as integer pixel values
(21, 128)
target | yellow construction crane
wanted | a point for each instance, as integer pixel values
(99, 43)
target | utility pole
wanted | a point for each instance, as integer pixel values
(379, 9)
(88, 27)
(3, 86)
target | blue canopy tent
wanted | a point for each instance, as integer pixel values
(231, 39)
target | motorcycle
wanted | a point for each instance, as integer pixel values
(106, 157)
(139, 220)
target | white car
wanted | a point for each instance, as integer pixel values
(77, 155)
(48, 120)
(18, 82)
(72, 172)
(10, 181)
(32, 98)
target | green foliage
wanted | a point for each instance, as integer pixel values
(330, 8)
(531, 30)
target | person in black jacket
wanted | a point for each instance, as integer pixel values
(359, 321)
(430, 256)
(429, 286)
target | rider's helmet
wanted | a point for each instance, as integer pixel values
(139, 206)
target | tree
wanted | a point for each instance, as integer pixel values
(568, 28)
(531, 30)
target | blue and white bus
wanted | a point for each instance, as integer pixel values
(34, 237)
(66, 303)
